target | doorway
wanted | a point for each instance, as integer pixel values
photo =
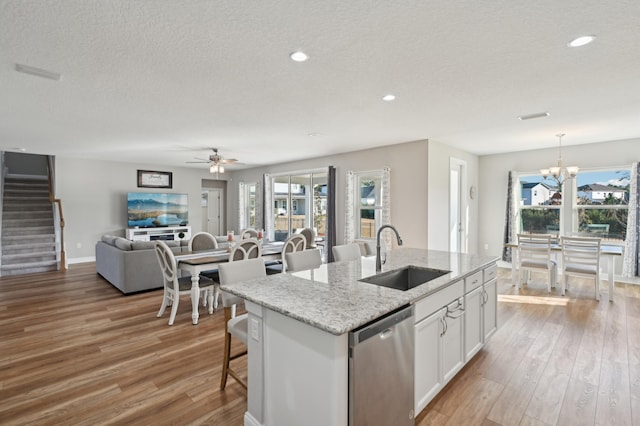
(457, 206)
(213, 211)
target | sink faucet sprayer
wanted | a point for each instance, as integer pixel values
(378, 261)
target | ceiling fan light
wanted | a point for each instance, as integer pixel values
(216, 168)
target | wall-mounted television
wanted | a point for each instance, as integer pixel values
(150, 210)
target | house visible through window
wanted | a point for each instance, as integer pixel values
(539, 207)
(602, 203)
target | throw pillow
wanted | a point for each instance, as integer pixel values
(109, 239)
(123, 244)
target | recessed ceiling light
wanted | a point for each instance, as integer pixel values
(38, 72)
(299, 56)
(581, 41)
(532, 116)
(388, 98)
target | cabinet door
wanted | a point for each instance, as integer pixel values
(428, 377)
(490, 308)
(473, 337)
(452, 342)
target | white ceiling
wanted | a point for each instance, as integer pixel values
(159, 82)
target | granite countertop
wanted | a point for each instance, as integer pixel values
(332, 299)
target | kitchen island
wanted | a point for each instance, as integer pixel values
(299, 325)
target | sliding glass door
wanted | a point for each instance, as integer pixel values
(299, 201)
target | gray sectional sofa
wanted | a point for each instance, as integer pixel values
(131, 266)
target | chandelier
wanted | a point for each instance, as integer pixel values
(559, 172)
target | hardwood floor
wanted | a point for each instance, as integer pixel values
(74, 351)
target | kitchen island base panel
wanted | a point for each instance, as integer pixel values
(298, 374)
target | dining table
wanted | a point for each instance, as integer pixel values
(608, 252)
(194, 263)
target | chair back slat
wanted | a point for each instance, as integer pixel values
(580, 250)
(168, 265)
(248, 248)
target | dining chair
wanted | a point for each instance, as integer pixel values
(304, 259)
(534, 254)
(248, 233)
(349, 251)
(249, 248)
(310, 235)
(174, 287)
(204, 241)
(236, 325)
(295, 242)
(580, 258)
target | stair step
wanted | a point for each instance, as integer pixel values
(20, 223)
(21, 208)
(30, 268)
(30, 247)
(28, 231)
(28, 214)
(27, 258)
(12, 240)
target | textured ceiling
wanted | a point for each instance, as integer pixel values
(159, 82)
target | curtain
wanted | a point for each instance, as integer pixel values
(630, 260)
(510, 218)
(268, 208)
(259, 207)
(242, 206)
(386, 208)
(349, 224)
(331, 214)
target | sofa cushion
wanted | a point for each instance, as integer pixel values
(123, 243)
(143, 245)
(148, 245)
(109, 239)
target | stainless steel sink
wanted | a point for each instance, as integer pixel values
(405, 278)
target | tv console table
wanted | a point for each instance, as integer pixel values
(161, 233)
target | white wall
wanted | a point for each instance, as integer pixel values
(408, 163)
(94, 192)
(438, 196)
(94, 199)
(494, 171)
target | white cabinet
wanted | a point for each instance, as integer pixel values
(162, 233)
(480, 311)
(428, 380)
(490, 308)
(474, 334)
(439, 343)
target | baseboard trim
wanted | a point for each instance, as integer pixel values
(81, 260)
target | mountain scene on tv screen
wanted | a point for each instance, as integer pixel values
(146, 213)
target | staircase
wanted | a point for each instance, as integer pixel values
(28, 233)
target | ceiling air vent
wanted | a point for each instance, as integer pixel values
(532, 116)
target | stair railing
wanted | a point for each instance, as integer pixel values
(60, 216)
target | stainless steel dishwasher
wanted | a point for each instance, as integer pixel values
(381, 371)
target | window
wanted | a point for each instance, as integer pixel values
(368, 199)
(602, 203)
(300, 201)
(539, 207)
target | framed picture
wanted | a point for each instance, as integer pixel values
(151, 179)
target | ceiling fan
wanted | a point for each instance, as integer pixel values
(216, 161)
